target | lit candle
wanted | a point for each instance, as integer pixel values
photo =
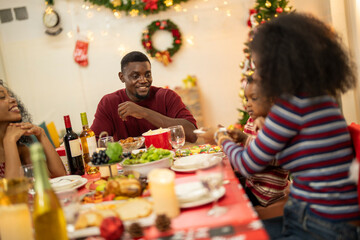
(162, 188)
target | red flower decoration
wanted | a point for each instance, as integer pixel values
(150, 4)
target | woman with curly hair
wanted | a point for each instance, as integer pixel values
(15, 129)
(301, 63)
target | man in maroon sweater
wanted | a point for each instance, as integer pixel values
(140, 107)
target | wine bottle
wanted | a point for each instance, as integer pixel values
(73, 149)
(48, 216)
(88, 143)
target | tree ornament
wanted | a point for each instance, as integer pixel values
(267, 4)
(116, 3)
(168, 3)
(134, 12)
(162, 56)
(287, 9)
(279, 10)
(163, 223)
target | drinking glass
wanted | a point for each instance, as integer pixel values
(211, 176)
(177, 137)
(103, 141)
(70, 203)
(15, 220)
(28, 172)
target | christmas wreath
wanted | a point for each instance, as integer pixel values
(167, 25)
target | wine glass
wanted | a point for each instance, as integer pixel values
(177, 137)
(28, 172)
(211, 176)
(70, 203)
(103, 141)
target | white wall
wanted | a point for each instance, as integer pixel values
(41, 69)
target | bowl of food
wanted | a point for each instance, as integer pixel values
(159, 138)
(131, 143)
(144, 162)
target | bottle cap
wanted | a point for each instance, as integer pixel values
(84, 120)
(67, 121)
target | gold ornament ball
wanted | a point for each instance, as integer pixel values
(242, 65)
(267, 4)
(286, 9)
(241, 93)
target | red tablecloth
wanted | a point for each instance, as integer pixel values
(193, 223)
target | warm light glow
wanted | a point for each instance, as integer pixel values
(104, 33)
(184, 10)
(225, 3)
(121, 49)
(117, 14)
(168, 3)
(228, 13)
(90, 36)
(98, 9)
(196, 18)
(177, 7)
(196, 7)
(69, 34)
(216, 9)
(48, 10)
(91, 6)
(134, 12)
(90, 14)
(190, 40)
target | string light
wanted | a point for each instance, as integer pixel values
(177, 7)
(225, 3)
(228, 13)
(190, 40)
(216, 9)
(117, 14)
(69, 34)
(121, 49)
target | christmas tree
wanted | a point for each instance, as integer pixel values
(263, 11)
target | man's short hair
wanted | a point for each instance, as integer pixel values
(133, 56)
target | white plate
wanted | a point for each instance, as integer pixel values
(81, 182)
(194, 162)
(189, 192)
(64, 182)
(204, 200)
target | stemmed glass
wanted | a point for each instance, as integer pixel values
(70, 204)
(211, 176)
(177, 137)
(28, 172)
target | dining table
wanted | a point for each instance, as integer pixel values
(239, 222)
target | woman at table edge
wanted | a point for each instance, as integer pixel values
(15, 129)
(301, 63)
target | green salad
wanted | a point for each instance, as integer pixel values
(152, 154)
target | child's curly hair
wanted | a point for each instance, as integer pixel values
(25, 116)
(298, 54)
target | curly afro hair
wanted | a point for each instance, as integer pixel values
(299, 54)
(25, 116)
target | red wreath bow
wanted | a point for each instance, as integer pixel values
(150, 4)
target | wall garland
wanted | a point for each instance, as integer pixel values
(166, 25)
(137, 7)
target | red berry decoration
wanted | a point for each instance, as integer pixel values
(111, 228)
(279, 10)
(157, 23)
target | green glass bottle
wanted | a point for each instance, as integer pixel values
(48, 216)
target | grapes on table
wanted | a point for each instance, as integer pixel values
(99, 158)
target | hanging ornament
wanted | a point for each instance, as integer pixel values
(287, 9)
(115, 3)
(168, 3)
(267, 4)
(279, 10)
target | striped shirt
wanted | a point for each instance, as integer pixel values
(309, 137)
(269, 185)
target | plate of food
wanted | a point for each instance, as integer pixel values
(194, 162)
(138, 210)
(66, 183)
(144, 162)
(193, 194)
(200, 149)
(131, 143)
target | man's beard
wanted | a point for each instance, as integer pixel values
(140, 97)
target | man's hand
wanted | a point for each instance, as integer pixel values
(237, 135)
(128, 108)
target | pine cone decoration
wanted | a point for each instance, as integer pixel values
(163, 223)
(135, 230)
